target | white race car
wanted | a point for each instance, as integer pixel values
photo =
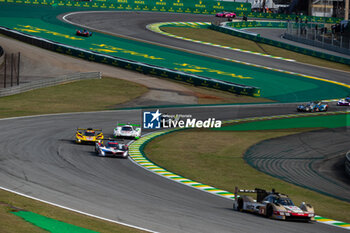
(272, 205)
(112, 148)
(127, 131)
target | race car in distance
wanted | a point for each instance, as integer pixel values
(272, 205)
(314, 106)
(112, 148)
(344, 102)
(88, 135)
(127, 131)
(83, 32)
(225, 14)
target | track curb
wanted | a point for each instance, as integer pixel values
(137, 155)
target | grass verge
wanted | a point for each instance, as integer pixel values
(87, 95)
(220, 38)
(215, 158)
(11, 223)
(81, 96)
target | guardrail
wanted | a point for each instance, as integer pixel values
(280, 44)
(48, 82)
(347, 163)
(133, 65)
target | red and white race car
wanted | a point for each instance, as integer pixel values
(226, 14)
(84, 32)
(272, 205)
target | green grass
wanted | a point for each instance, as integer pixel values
(11, 223)
(220, 38)
(87, 95)
(216, 158)
(82, 96)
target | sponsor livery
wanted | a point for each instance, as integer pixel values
(112, 148)
(272, 205)
(314, 106)
(88, 135)
(127, 131)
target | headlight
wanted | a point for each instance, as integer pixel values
(125, 154)
(311, 215)
(102, 152)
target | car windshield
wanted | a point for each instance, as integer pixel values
(283, 201)
(89, 133)
(116, 146)
(126, 128)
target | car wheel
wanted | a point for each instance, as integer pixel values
(269, 211)
(240, 204)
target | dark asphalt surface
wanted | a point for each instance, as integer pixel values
(38, 158)
(133, 24)
(314, 160)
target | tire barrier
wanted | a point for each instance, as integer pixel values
(179, 6)
(48, 82)
(257, 38)
(144, 68)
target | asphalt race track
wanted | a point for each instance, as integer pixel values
(133, 25)
(39, 158)
(314, 160)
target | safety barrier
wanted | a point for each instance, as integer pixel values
(133, 65)
(178, 6)
(48, 82)
(347, 163)
(243, 34)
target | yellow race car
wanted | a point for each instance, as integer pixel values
(88, 135)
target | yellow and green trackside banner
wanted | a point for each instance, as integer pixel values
(175, 6)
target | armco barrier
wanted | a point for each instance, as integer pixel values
(175, 6)
(48, 82)
(133, 65)
(229, 30)
(347, 163)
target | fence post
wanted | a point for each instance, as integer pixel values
(5, 74)
(18, 65)
(12, 58)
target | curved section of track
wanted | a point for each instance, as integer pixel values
(133, 25)
(314, 160)
(48, 165)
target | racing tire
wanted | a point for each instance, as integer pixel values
(240, 204)
(269, 211)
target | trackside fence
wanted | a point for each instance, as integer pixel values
(133, 65)
(257, 38)
(48, 82)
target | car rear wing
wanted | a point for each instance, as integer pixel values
(89, 129)
(261, 193)
(135, 125)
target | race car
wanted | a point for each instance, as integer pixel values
(112, 148)
(344, 102)
(88, 135)
(83, 32)
(314, 106)
(127, 131)
(225, 14)
(272, 205)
